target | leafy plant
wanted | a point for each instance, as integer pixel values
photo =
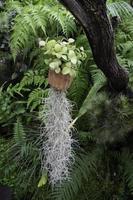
(121, 9)
(62, 57)
(34, 20)
(103, 163)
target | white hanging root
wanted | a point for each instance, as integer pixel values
(57, 153)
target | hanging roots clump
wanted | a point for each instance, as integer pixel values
(57, 153)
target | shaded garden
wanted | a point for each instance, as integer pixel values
(41, 34)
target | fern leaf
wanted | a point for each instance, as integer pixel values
(79, 88)
(81, 170)
(92, 94)
(28, 79)
(19, 133)
(37, 17)
(120, 9)
(35, 98)
(127, 160)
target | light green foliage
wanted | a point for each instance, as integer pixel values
(43, 180)
(35, 20)
(62, 56)
(120, 9)
(23, 98)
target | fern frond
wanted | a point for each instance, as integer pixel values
(38, 17)
(62, 18)
(12, 5)
(81, 171)
(127, 160)
(19, 133)
(35, 98)
(86, 136)
(121, 9)
(79, 88)
(99, 82)
(25, 28)
(27, 79)
(32, 77)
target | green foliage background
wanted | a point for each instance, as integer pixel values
(104, 158)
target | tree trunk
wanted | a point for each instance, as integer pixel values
(92, 14)
(131, 3)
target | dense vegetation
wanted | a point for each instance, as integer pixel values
(104, 126)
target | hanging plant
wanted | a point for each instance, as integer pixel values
(63, 59)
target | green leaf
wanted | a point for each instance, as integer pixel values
(43, 180)
(64, 50)
(68, 64)
(66, 70)
(58, 55)
(92, 94)
(55, 64)
(58, 48)
(51, 44)
(57, 70)
(64, 57)
(74, 60)
(71, 40)
(72, 73)
(72, 56)
(47, 61)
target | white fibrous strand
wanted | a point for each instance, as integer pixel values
(56, 135)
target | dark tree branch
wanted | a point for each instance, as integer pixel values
(131, 3)
(92, 14)
(115, 22)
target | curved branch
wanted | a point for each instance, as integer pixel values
(93, 17)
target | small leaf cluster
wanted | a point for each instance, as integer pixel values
(62, 56)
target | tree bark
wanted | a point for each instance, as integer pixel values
(92, 14)
(131, 3)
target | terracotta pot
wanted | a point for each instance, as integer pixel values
(59, 81)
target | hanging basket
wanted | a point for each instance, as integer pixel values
(59, 81)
